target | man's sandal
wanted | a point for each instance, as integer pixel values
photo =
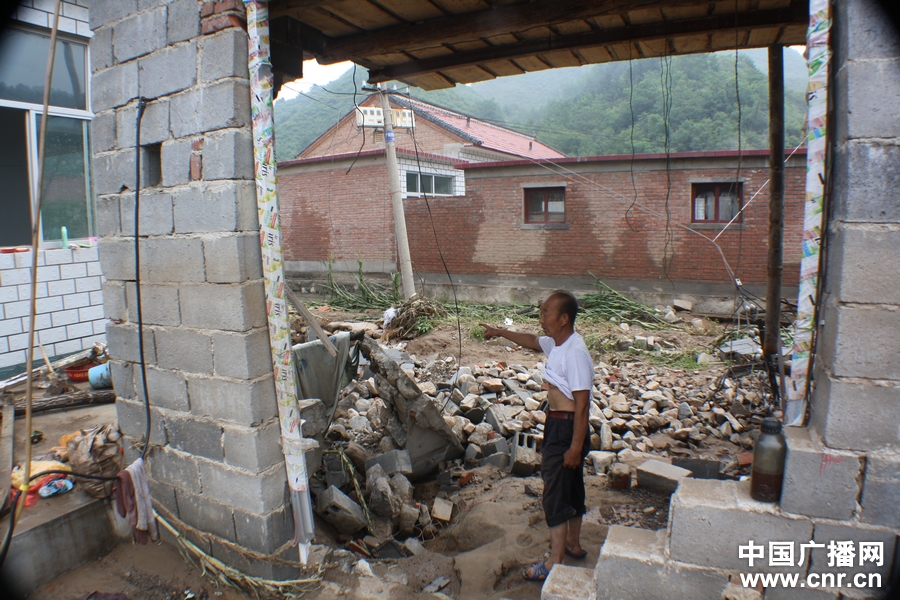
(539, 572)
(577, 555)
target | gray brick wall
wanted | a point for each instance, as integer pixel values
(215, 441)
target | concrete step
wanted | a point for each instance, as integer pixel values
(632, 564)
(569, 583)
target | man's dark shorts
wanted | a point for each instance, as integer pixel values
(563, 488)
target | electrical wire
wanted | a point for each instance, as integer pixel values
(631, 110)
(142, 103)
(356, 106)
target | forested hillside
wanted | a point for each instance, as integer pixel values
(683, 103)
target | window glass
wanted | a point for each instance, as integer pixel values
(23, 63)
(412, 182)
(535, 206)
(66, 201)
(443, 185)
(716, 202)
(556, 206)
(728, 205)
(15, 223)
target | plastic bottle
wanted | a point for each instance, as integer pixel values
(767, 473)
(64, 234)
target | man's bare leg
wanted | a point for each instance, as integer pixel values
(557, 547)
(573, 537)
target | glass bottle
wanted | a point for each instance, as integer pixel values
(767, 472)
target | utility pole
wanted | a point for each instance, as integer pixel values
(390, 150)
(771, 344)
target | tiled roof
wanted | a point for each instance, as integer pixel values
(478, 132)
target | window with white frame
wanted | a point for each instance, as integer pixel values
(67, 198)
(717, 202)
(426, 183)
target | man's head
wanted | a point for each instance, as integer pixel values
(558, 312)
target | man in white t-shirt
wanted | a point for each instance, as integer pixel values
(568, 378)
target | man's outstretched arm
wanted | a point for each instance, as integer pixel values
(526, 340)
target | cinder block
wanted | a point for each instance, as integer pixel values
(114, 171)
(169, 70)
(186, 116)
(340, 511)
(168, 389)
(122, 374)
(253, 448)
(243, 403)
(200, 437)
(114, 86)
(165, 495)
(314, 418)
(826, 533)
(156, 213)
(838, 403)
(819, 481)
(228, 154)
(863, 30)
(710, 519)
(227, 307)
(171, 260)
(177, 469)
(139, 34)
(176, 159)
(865, 176)
(568, 583)
(223, 54)
(861, 341)
(123, 343)
(159, 304)
(207, 515)
(265, 569)
(395, 461)
(183, 21)
(632, 565)
(791, 593)
(264, 533)
(104, 12)
(184, 350)
(219, 206)
(154, 124)
(242, 355)
(132, 417)
(865, 97)
(258, 493)
(232, 258)
(102, 49)
(881, 490)
(657, 475)
(227, 104)
(108, 222)
(103, 132)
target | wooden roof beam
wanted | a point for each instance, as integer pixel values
(795, 14)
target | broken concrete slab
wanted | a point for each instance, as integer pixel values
(340, 511)
(601, 460)
(657, 475)
(395, 461)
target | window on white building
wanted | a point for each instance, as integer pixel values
(419, 183)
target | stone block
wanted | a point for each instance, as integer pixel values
(173, 260)
(200, 437)
(139, 34)
(223, 54)
(881, 490)
(175, 159)
(217, 207)
(340, 511)
(225, 307)
(154, 124)
(228, 154)
(156, 213)
(313, 415)
(168, 389)
(253, 448)
(619, 476)
(862, 257)
(568, 583)
(132, 418)
(114, 171)
(258, 493)
(122, 374)
(167, 71)
(632, 564)
(108, 223)
(116, 258)
(243, 403)
(837, 404)
(242, 355)
(114, 86)
(863, 30)
(709, 519)
(657, 475)
(102, 49)
(114, 306)
(175, 468)
(123, 343)
(165, 495)
(204, 513)
(103, 131)
(184, 350)
(861, 341)
(826, 533)
(104, 12)
(233, 258)
(819, 481)
(159, 304)
(601, 460)
(395, 461)
(865, 97)
(499, 460)
(865, 182)
(264, 533)
(183, 21)
(495, 445)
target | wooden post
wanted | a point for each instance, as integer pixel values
(771, 344)
(390, 150)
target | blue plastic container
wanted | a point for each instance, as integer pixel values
(99, 377)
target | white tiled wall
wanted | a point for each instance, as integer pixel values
(73, 15)
(69, 303)
(433, 168)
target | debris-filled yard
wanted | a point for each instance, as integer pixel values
(429, 480)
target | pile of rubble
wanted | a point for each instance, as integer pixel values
(406, 418)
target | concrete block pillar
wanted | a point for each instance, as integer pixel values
(215, 459)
